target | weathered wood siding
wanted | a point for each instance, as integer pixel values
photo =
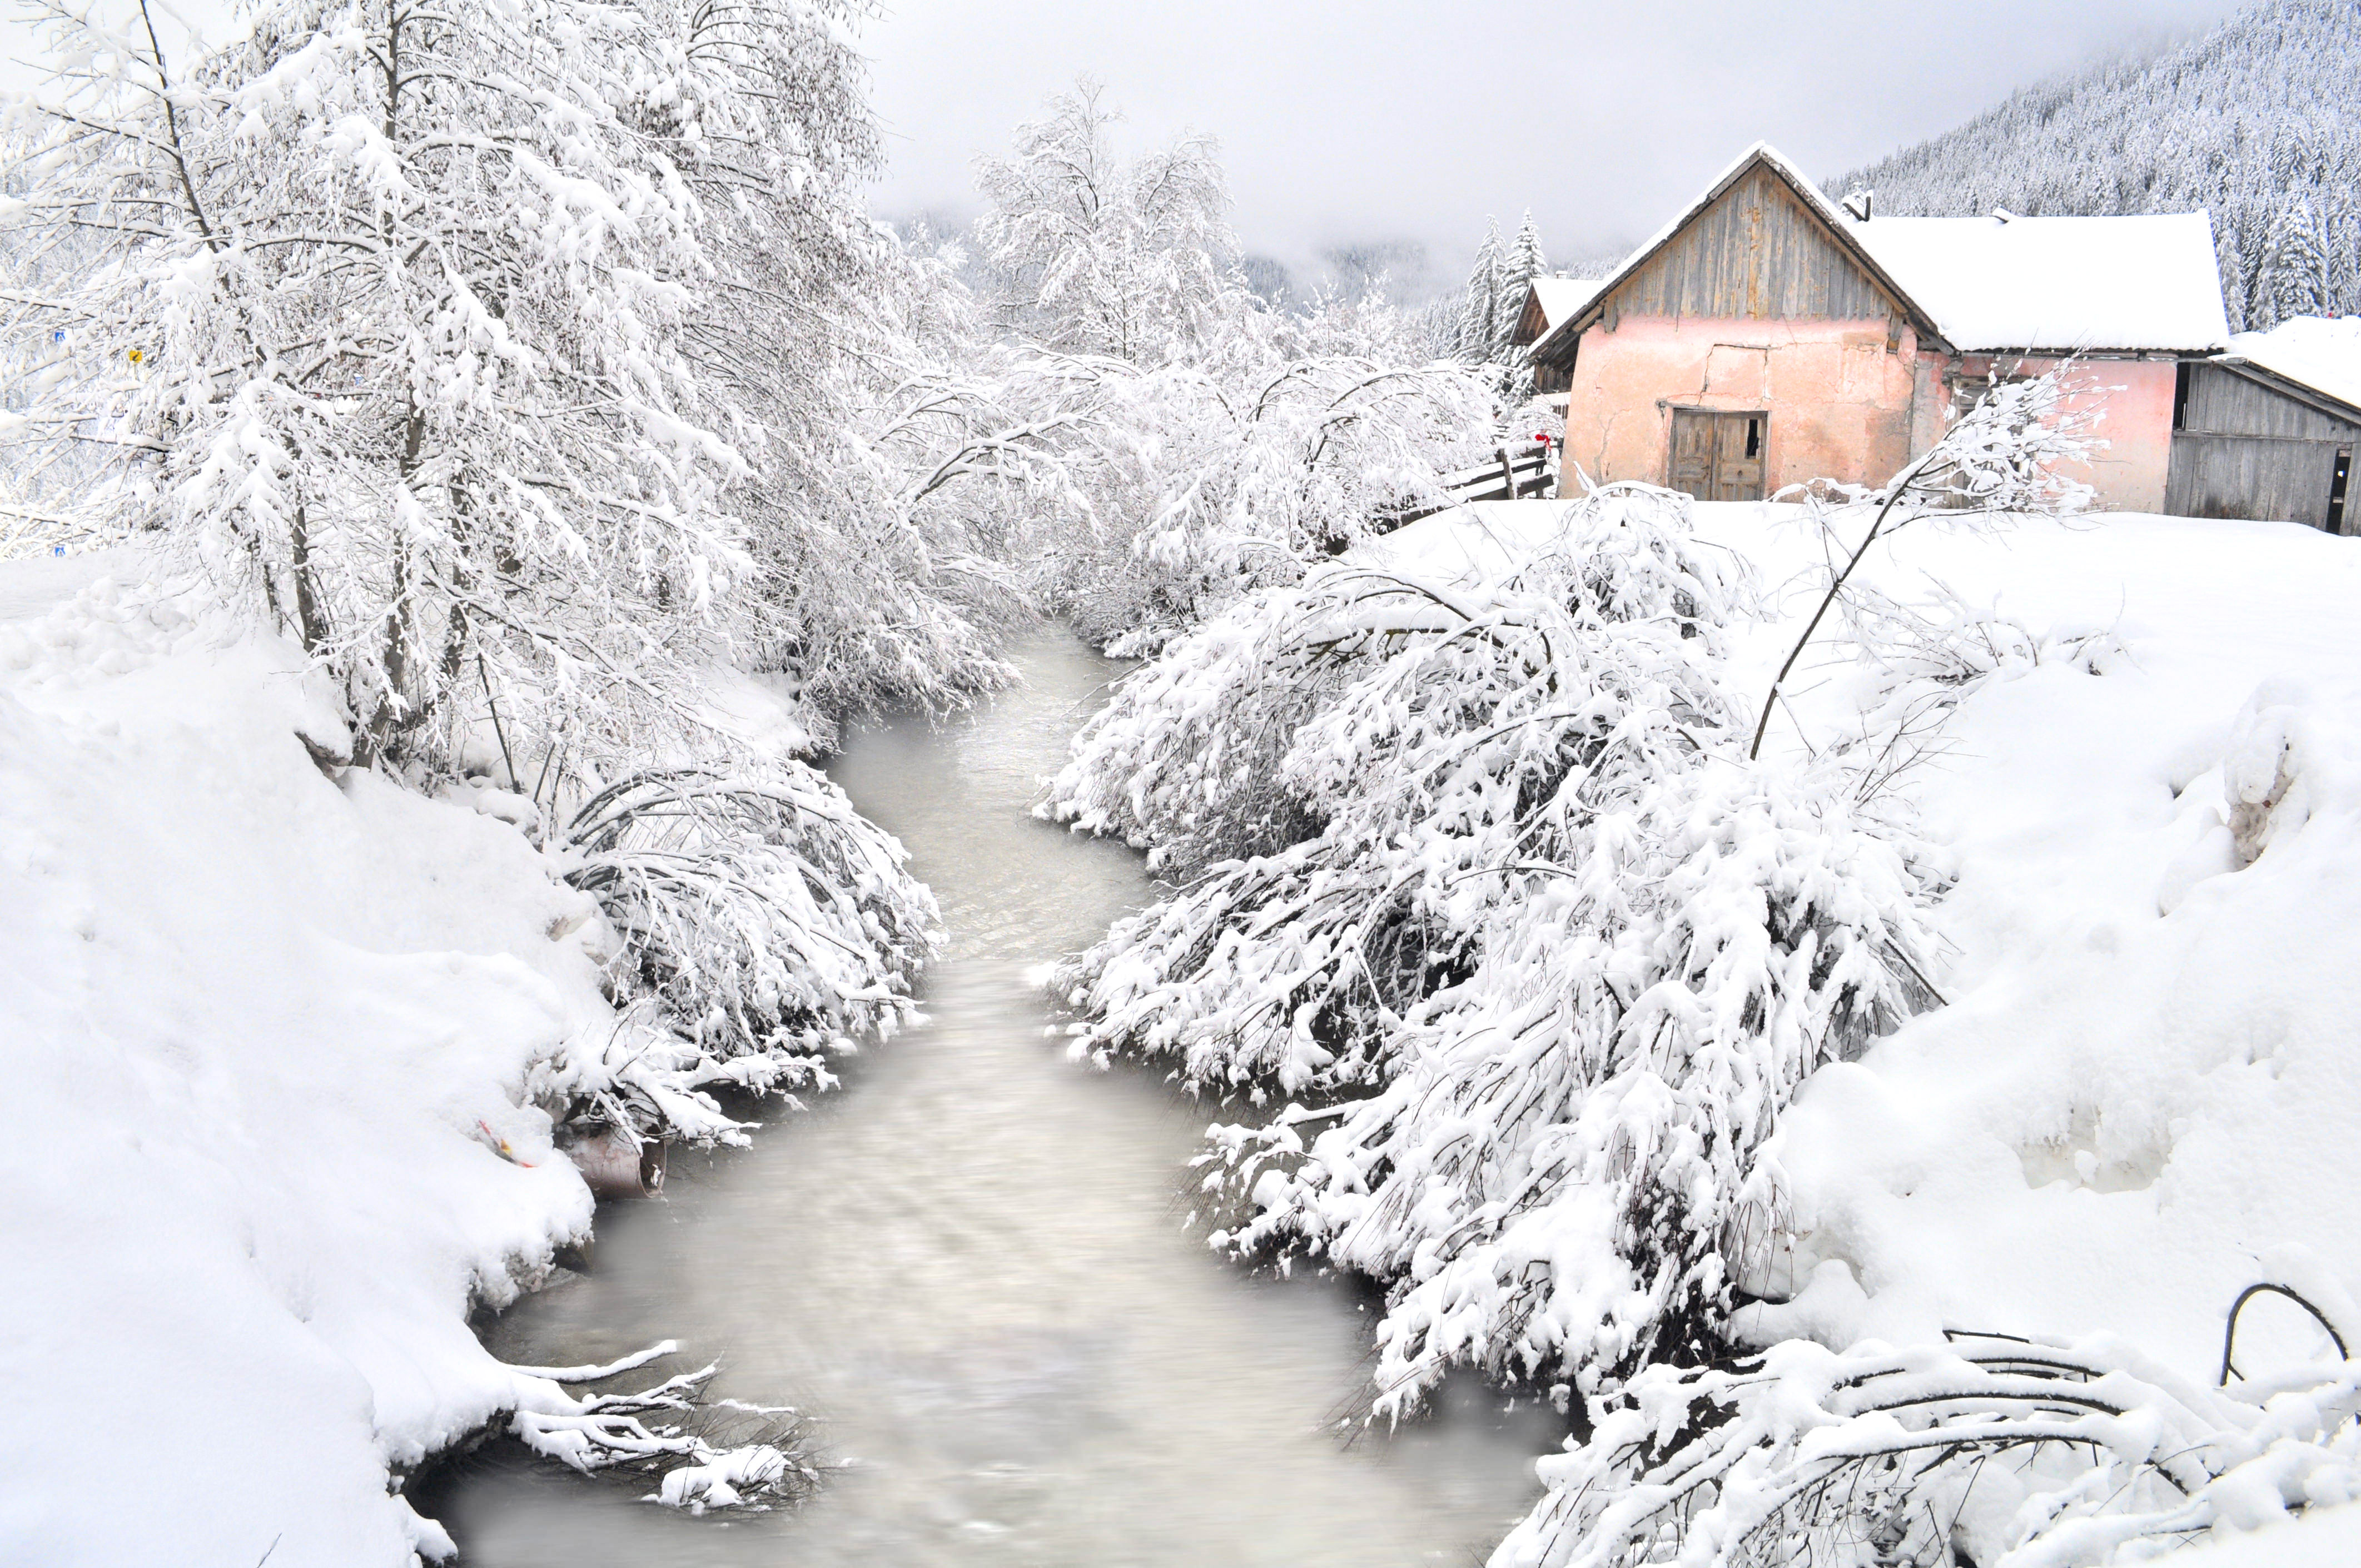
(2222, 402)
(2247, 450)
(2251, 476)
(1756, 254)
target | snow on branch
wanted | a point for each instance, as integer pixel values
(2013, 453)
(1536, 953)
(766, 922)
(2000, 1452)
(669, 1430)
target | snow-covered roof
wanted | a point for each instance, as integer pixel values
(1561, 297)
(1995, 283)
(1985, 285)
(2323, 353)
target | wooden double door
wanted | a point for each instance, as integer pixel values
(1718, 456)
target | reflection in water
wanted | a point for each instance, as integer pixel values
(968, 1268)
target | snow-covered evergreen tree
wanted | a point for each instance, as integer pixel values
(1479, 314)
(1524, 263)
(2296, 282)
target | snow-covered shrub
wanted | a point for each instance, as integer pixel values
(1283, 441)
(1186, 759)
(1545, 955)
(766, 921)
(2000, 1452)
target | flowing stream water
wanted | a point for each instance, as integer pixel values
(968, 1268)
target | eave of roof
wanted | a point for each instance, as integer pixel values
(2322, 355)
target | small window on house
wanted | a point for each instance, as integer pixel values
(2181, 396)
(1754, 438)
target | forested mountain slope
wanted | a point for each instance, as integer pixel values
(2258, 121)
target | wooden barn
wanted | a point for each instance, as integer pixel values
(2269, 430)
(1764, 338)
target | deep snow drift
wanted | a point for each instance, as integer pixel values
(2145, 1093)
(269, 1042)
(2147, 1077)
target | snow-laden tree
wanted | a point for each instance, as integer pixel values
(1287, 439)
(390, 322)
(1523, 264)
(1479, 312)
(2296, 278)
(1146, 436)
(1093, 255)
(2259, 107)
(1532, 954)
(508, 359)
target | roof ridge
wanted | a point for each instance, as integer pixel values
(1815, 199)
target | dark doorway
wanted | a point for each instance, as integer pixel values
(1717, 456)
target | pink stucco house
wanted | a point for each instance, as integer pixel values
(1766, 337)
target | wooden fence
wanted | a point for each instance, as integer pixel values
(1518, 471)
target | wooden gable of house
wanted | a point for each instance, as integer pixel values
(1752, 249)
(1755, 252)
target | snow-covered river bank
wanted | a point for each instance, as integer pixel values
(968, 1269)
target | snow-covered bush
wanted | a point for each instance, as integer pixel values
(1541, 952)
(1284, 440)
(2000, 1452)
(764, 921)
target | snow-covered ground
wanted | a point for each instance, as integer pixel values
(2145, 1091)
(262, 1038)
(265, 1034)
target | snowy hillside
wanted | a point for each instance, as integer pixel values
(2256, 122)
(2144, 1091)
(1531, 981)
(2146, 1075)
(271, 1044)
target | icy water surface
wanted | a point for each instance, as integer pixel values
(968, 1269)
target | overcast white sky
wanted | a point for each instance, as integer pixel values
(1396, 120)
